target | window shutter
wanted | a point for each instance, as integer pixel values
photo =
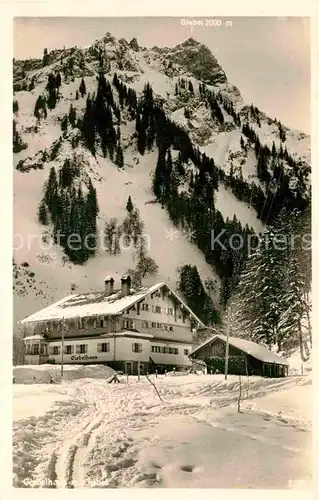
(99, 348)
(78, 349)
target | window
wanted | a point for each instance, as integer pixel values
(56, 350)
(159, 325)
(158, 309)
(171, 329)
(164, 350)
(82, 323)
(153, 324)
(103, 347)
(186, 351)
(28, 349)
(156, 348)
(35, 348)
(129, 324)
(153, 309)
(170, 311)
(145, 307)
(42, 349)
(101, 323)
(171, 350)
(175, 351)
(137, 347)
(81, 348)
(68, 349)
(145, 324)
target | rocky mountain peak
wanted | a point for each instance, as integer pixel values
(134, 45)
(198, 60)
(190, 42)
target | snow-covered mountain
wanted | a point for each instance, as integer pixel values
(41, 271)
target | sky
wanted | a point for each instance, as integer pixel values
(267, 58)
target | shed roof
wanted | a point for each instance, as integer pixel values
(255, 350)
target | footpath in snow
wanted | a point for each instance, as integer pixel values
(88, 433)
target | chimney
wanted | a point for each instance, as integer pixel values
(108, 285)
(126, 285)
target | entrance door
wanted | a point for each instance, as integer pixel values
(129, 367)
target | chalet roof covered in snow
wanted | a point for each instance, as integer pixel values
(98, 303)
(255, 350)
(34, 337)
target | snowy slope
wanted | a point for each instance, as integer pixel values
(168, 247)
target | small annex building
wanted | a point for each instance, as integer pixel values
(245, 357)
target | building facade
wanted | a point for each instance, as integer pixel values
(146, 329)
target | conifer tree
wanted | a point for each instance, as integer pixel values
(88, 126)
(72, 115)
(15, 106)
(52, 87)
(110, 234)
(64, 123)
(191, 288)
(45, 59)
(51, 192)
(119, 159)
(58, 80)
(295, 321)
(118, 133)
(159, 176)
(129, 205)
(82, 88)
(141, 139)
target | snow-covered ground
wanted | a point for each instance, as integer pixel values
(89, 433)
